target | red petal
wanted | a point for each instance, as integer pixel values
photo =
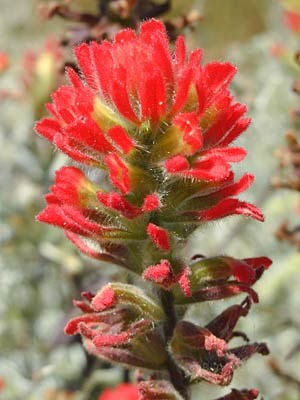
(229, 154)
(161, 274)
(118, 172)
(184, 282)
(104, 299)
(211, 169)
(180, 52)
(234, 189)
(151, 203)
(48, 128)
(188, 123)
(86, 131)
(231, 206)
(120, 95)
(217, 77)
(176, 164)
(118, 203)
(235, 132)
(89, 251)
(152, 96)
(83, 55)
(121, 138)
(258, 262)
(153, 33)
(159, 236)
(242, 272)
(72, 326)
(103, 70)
(184, 80)
(227, 119)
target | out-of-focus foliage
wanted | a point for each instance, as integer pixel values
(41, 272)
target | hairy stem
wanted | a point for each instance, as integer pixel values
(177, 376)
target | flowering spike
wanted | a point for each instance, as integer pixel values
(160, 125)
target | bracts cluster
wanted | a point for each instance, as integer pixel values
(156, 127)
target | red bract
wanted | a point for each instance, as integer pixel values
(124, 391)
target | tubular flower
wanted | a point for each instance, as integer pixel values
(121, 324)
(221, 277)
(162, 129)
(203, 352)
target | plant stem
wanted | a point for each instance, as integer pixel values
(177, 376)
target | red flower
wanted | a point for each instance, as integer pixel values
(124, 391)
(162, 130)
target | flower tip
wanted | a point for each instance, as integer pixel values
(267, 262)
(42, 216)
(104, 299)
(159, 236)
(152, 26)
(71, 328)
(151, 203)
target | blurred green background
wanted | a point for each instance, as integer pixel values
(40, 270)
